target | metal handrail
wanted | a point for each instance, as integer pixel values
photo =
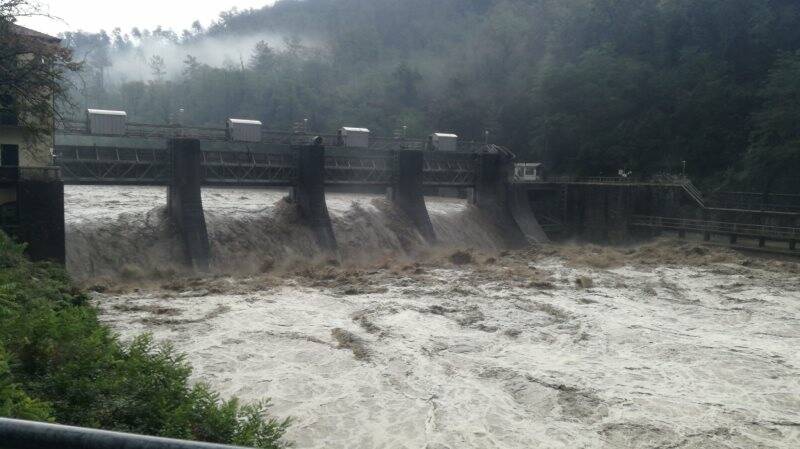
(18, 434)
(717, 227)
(694, 193)
(607, 180)
(779, 202)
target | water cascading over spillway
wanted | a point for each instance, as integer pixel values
(123, 231)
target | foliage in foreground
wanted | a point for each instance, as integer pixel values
(58, 363)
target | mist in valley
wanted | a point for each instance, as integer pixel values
(585, 86)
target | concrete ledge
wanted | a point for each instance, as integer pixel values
(185, 203)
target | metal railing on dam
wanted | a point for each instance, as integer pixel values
(718, 227)
(614, 180)
(263, 165)
(248, 169)
(19, 434)
(778, 202)
(114, 165)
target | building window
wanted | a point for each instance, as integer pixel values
(8, 115)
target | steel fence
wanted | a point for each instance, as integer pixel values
(718, 227)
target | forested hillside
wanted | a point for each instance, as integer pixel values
(588, 86)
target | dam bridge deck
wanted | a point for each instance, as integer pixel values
(254, 167)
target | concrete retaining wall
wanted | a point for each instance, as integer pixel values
(40, 206)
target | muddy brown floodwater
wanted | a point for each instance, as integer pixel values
(663, 345)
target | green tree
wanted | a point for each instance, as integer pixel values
(33, 69)
(773, 159)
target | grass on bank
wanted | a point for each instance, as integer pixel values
(58, 363)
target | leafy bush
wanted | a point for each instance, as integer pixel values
(58, 363)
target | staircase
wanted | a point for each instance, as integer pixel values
(689, 188)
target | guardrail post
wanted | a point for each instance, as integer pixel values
(40, 216)
(792, 245)
(185, 202)
(762, 242)
(309, 193)
(733, 239)
(407, 191)
(707, 236)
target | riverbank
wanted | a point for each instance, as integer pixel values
(58, 363)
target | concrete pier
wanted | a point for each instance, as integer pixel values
(185, 203)
(407, 191)
(309, 193)
(491, 195)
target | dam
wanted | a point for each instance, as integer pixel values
(186, 160)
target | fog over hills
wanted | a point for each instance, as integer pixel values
(588, 86)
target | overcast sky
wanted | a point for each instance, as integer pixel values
(94, 15)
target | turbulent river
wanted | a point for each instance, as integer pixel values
(396, 345)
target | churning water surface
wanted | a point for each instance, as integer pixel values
(399, 345)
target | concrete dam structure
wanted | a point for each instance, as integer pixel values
(602, 210)
(304, 165)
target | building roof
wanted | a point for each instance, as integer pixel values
(22, 31)
(348, 129)
(241, 121)
(106, 112)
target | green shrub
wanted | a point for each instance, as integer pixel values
(58, 363)
(14, 402)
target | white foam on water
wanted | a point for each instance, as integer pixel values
(113, 230)
(478, 357)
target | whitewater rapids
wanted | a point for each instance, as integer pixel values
(114, 231)
(666, 345)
